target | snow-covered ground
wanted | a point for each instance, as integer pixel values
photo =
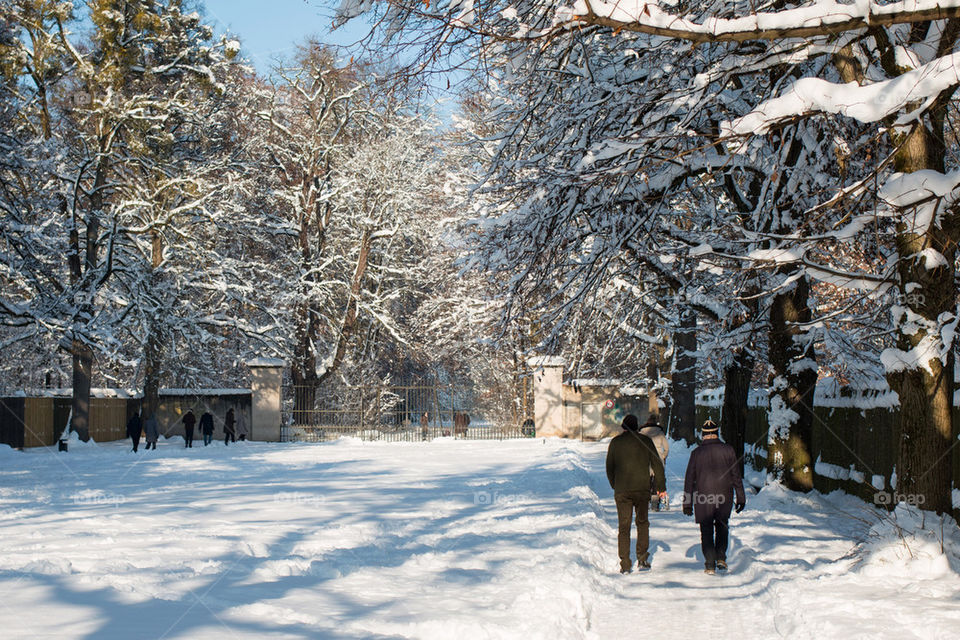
(446, 539)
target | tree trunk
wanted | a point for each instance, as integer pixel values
(151, 371)
(303, 370)
(153, 349)
(683, 416)
(349, 322)
(654, 398)
(794, 363)
(82, 353)
(733, 423)
(80, 406)
(927, 299)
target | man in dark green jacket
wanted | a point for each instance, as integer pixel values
(630, 458)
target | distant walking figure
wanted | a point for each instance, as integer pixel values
(189, 420)
(630, 457)
(424, 425)
(653, 431)
(152, 430)
(229, 427)
(460, 423)
(712, 480)
(206, 427)
(133, 430)
(242, 426)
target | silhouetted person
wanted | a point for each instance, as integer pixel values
(189, 420)
(229, 427)
(134, 427)
(206, 427)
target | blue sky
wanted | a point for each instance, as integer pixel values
(271, 28)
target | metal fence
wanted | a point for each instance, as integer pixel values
(412, 413)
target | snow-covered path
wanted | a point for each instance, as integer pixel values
(448, 539)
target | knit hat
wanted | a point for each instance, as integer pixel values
(630, 423)
(709, 428)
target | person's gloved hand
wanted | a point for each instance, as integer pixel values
(739, 507)
(688, 509)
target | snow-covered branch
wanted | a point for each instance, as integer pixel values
(821, 18)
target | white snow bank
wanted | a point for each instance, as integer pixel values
(452, 538)
(910, 542)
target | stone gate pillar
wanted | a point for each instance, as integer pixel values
(266, 386)
(547, 395)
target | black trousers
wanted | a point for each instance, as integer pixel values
(714, 536)
(188, 436)
(628, 503)
(136, 441)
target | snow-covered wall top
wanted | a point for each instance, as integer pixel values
(830, 393)
(633, 391)
(878, 395)
(67, 392)
(266, 362)
(595, 382)
(204, 392)
(714, 398)
(125, 393)
(545, 361)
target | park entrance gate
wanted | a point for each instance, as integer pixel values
(394, 413)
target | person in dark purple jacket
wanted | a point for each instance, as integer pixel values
(711, 488)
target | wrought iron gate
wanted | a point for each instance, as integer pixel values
(392, 413)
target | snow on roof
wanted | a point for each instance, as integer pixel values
(595, 382)
(204, 392)
(123, 393)
(545, 361)
(266, 362)
(633, 391)
(68, 392)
